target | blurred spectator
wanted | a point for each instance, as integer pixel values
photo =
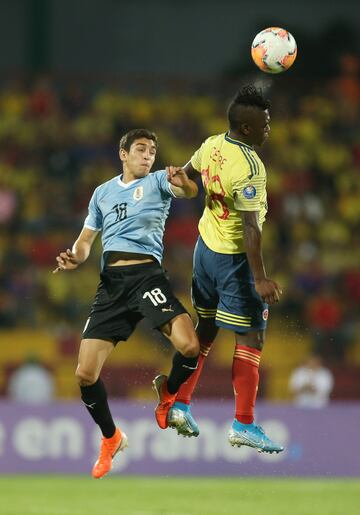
(347, 84)
(8, 204)
(43, 101)
(326, 320)
(311, 384)
(31, 383)
(57, 143)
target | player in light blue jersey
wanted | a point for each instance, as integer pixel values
(131, 215)
(130, 210)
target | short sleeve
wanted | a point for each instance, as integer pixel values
(163, 183)
(248, 190)
(197, 158)
(94, 220)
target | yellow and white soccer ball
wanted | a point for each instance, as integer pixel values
(274, 50)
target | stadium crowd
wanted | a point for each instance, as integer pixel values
(57, 144)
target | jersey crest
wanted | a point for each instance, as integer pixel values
(138, 193)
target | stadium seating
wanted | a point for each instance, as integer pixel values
(49, 144)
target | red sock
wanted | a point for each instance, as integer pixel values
(245, 378)
(186, 389)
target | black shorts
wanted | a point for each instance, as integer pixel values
(127, 294)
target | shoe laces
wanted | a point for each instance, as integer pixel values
(166, 398)
(264, 435)
(105, 450)
(108, 446)
(166, 402)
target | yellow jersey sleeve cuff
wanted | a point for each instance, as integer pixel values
(242, 205)
(195, 164)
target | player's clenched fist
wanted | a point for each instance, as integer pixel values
(177, 176)
(268, 290)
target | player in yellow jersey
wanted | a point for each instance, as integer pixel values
(230, 287)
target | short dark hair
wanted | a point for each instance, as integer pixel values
(128, 139)
(247, 96)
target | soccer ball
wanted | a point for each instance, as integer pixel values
(274, 50)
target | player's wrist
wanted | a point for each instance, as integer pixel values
(189, 190)
(260, 279)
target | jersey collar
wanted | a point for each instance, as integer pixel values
(126, 184)
(236, 142)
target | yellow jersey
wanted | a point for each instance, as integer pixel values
(234, 179)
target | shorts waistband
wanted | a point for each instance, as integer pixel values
(138, 266)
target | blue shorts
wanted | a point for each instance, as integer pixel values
(223, 288)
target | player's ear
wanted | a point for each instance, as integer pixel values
(122, 154)
(245, 128)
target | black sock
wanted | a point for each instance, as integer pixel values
(95, 399)
(181, 370)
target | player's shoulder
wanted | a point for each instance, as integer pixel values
(211, 140)
(157, 174)
(156, 178)
(236, 145)
(108, 184)
(216, 136)
(247, 155)
(106, 187)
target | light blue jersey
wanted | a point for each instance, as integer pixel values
(131, 216)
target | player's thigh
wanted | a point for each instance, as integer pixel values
(240, 307)
(181, 332)
(254, 339)
(156, 301)
(110, 318)
(92, 356)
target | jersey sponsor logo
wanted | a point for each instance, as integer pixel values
(265, 314)
(121, 211)
(249, 192)
(138, 193)
(217, 157)
(168, 309)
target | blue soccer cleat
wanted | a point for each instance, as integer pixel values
(180, 418)
(252, 436)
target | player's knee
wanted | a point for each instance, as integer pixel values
(190, 348)
(261, 340)
(257, 344)
(253, 339)
(85, 377)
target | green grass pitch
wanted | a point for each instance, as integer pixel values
(79, 495)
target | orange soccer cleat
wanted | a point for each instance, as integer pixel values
(109, 447)
(166, 400)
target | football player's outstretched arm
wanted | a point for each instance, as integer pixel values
(71, 259)
(191, 172)
(268, 289)
(181, 185)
